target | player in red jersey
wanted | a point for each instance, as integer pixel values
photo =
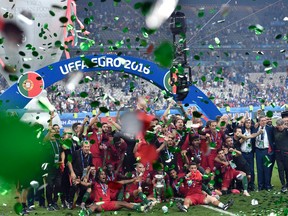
(225, 164)
(195, 196)
(102, 201)
(134, 191)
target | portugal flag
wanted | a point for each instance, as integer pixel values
(30, 84)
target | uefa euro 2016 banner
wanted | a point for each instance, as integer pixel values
(68, 119)
(20, 94)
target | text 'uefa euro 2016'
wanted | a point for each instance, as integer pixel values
(105, 63)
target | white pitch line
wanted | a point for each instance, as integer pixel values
(218, 210)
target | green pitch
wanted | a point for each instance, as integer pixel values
(269, 202)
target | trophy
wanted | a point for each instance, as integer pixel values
(159, 186)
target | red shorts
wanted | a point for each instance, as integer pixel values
(109, 206)
(229, 176)
(196, 199)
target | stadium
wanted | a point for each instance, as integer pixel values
(161, 100)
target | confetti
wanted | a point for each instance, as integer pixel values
(222, 123)
(279, 36)
(267, 161)
(212, 145)
(258, 29)
(84, 46)
(262, 100)
(18, 208)
(217, 41)
(83, 94)
(63, 19)
(143, 6)
(211, 47)
(239, 118)
(211, 182)
(275, 64)
(164, 54)
(203, 78)
(201, 13)
(104, 109)
(266, 63)
(221, 21)
(45, 105)
(197, 114)
(52, 13)
(269, 114)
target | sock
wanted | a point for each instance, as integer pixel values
(154, 193)
(143, 197)
(245, 183)
(221, 205)
(137, 207)
(85, 197)
(120, 195)
(206, 189)
(186, 207)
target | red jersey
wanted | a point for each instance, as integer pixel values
(95, 151)
(102, 192)
(216, 138)
(135, 185)
(194, 183)
(114, 154)
(195, 153)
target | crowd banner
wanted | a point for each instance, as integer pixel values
(12, 98)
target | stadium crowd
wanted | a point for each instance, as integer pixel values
(98, 166)
(245, 79)
(241, 64)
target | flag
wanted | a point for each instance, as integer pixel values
(30, 84)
